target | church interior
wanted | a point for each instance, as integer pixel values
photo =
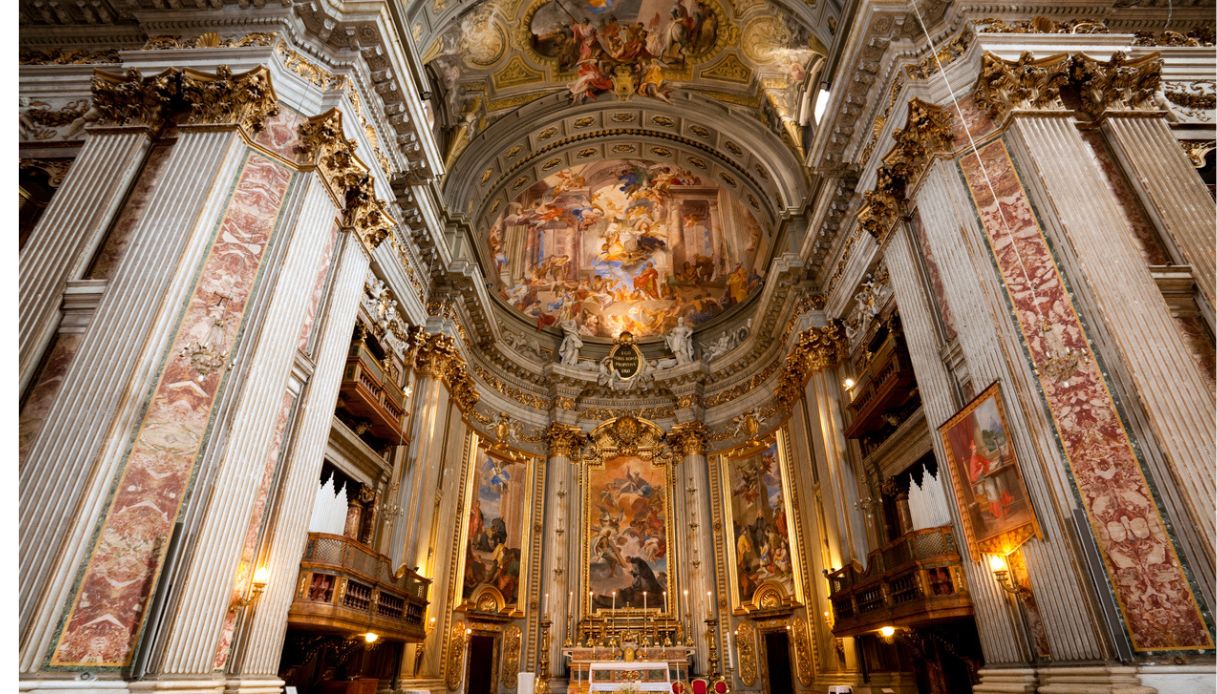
(544, 346)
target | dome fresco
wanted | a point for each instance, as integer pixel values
(626, 245)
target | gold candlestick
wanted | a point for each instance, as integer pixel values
(712, 645)
(542, 685)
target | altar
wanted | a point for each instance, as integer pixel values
(608, 669)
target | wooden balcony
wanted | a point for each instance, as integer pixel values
(369, 394)
(346, 588)
(885, 384)
(910, 582)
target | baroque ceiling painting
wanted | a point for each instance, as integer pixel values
(626, 245)
(502, 54)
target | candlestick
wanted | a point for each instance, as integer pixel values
(644, 601)
(545, 607)
(665, 602)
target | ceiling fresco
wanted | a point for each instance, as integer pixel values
(626, 245)
(502, 54)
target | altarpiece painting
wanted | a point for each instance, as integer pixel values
(494, 531)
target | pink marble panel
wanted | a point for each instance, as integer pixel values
(46, 387)
(280, 134)
(257, 519)
(323, 269)
(1159, 608)
(119, 237)
(108, 608)
(931, 265)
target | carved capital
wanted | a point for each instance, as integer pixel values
(563, 440)
(1119, 84)
(132, 99)
(689, 438)
(323, 140)
(437, 355)
(815, 350)
(245, 100)
(1026, 83)
(926, 132)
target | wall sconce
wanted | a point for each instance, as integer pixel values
(887, 632)
(1001, 571)
(849, 383)
(257, 586)
(370, 637)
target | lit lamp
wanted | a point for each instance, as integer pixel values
(370, 637)
(257, 586)
(887, 632)
(1001, 571)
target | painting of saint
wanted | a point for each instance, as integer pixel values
(989, 486)
(626, 245)
(758, 512)
(627, 543)
(492, 552)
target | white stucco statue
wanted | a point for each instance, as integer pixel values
(568, 353)
(680, 341)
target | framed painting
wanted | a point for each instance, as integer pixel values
(762, 546)
(494, 539)
(989, 488)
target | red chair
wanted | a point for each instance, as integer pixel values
(700, 686)
(679, 687)
(720, 687)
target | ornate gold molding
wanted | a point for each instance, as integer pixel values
(324, 141)
(1119, 84)
(511, 656)
(210, 39)
(187, 97)
(456, 655)
(1026, 83)
(437, 355)
(563, 440)
(804, 660)
(745, 646)
(688, 438)
(69, 56)
(926, 132)
(815, 350)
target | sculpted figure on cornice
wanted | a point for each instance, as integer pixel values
(873, 294)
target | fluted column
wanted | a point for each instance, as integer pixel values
(71, 229)
(255, 669)
(423, 458)
(703, 578)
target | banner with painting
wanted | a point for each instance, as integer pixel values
(761, 545)
(494, 533)
(989, 487)
(626, 533)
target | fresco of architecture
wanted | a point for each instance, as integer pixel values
(626, 245)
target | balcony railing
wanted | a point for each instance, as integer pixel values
(367, 392)
(914, 580)
(346, 587)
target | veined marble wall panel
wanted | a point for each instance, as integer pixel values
(42, 394)
(288, 526)
(107, 613)
(68, 470)
(1155, 595)
(66, 237)
(990, 349)
(201, 596)
(1166, 398)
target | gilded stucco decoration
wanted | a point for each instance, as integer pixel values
(1119, 84)
(511, 656)
(1028, 83)
(191, 97)
(927, 131)
(745, 646)
(804, 659)
(439, 356)
(688, 438)
(456, 656)
(563, 441)
(347, 177)
(815, 349)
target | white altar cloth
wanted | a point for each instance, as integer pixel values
(607, 676)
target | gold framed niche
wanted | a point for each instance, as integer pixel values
(628, 465)
(773, 581)
(510, 476)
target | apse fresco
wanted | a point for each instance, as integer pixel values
(626, 245)
(758, 513)
(622, 45)
(496, 521)
(627, 533)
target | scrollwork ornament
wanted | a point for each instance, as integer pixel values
(1120, 84)
(564, 441)
(1024, 84)
(816, 349)
(456, 655)
(246, 99)
(745, 646)
(132, 99)
(688, 438)
(511, 656)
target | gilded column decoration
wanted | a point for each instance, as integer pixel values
(1119, 84)
(745, 646)
(511, 656)
(804, 658)
(456, 656)
(926, 132)
(323, 140)
(437, 355)
(193, 97)
(563, 440)
(1023, 84)
(816, 349)
(688, 438)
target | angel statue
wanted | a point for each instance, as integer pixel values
(680, 341)
(568, 353)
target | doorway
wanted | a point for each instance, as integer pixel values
(778, 676)
(479, 679)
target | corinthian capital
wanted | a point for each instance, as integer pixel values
(245, 100)
(1026, 83)
(563, 440)
(132, 99)
(323, 140)
(815, 350)
(688, 438)
(1119, 84)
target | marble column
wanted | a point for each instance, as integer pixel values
(254, 669)
(68, 234)
(704, 576)
(423, 458)
(557, 530)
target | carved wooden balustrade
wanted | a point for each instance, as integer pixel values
(345, 587)
(368, 392)
(916, 579)
(884, 386)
